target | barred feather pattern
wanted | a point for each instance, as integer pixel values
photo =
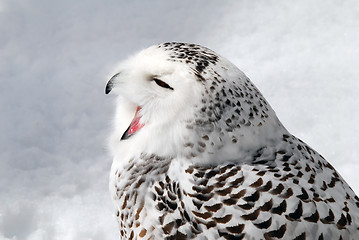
(287, 192)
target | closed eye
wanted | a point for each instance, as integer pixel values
(162, 83)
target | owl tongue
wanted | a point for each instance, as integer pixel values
(134, 126)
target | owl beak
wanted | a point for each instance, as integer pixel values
(134, 126)
(111, 83)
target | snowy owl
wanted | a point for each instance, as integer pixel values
(200, 154)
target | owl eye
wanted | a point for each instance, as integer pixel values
(162, 83)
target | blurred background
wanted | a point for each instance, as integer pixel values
(56, 57)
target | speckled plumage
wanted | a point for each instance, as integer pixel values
(211, 160)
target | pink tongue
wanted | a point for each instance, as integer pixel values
(135, 124)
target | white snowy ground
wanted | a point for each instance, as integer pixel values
(55, 57)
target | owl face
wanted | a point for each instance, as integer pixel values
(155, 97)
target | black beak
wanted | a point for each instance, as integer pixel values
(110, 84)
(126, 134)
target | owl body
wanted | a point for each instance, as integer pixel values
(205, 157)
(287, 192)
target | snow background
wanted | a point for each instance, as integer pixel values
(55, 57)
